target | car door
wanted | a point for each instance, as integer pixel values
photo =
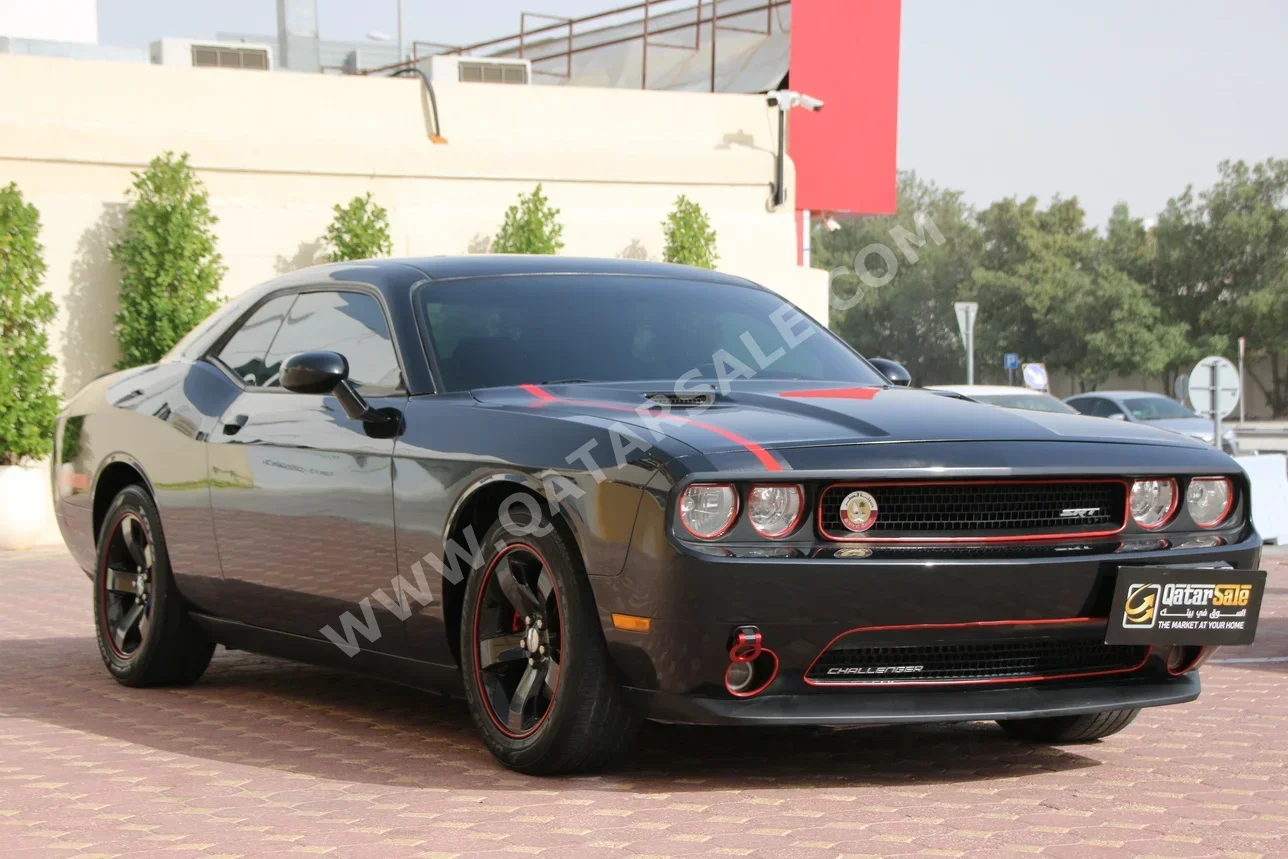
(301, 494)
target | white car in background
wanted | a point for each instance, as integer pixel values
(1008, 397)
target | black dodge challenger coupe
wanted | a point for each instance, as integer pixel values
(592, 492)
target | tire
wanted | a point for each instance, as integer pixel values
(581, 722)
(161, 646)
(1070, 729)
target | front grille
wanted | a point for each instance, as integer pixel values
(974, 661)
(983, 511)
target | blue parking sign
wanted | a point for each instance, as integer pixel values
(1011, 361)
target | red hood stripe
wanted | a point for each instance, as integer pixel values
(766, 459)
(834, 394)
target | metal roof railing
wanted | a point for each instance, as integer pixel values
(563, 31)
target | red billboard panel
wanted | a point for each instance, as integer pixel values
(845, 52)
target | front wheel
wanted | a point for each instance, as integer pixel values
(541, 687)
(144, 633)
(1070, 729)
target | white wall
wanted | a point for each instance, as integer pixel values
(57, 20)
(277, 150)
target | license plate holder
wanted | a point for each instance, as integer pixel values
(1185, 605)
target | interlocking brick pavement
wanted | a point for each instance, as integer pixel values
(268, 758)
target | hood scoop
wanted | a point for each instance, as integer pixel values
(670, 399)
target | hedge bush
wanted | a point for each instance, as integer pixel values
(28, 403)
(531, 226)
(689, 237)
(359, 230)
(170, 270)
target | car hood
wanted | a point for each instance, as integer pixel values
(778, 415)
(1196, 427)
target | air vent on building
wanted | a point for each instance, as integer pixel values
(472, 71)
(215, 56)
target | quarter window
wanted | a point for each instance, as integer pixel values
(351, 323)
(244, 352)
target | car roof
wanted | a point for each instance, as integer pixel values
(984, 390)
(1118, 395)
(397, 275)
(494, 265)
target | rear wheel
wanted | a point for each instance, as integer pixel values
(144, 635)
(541, 687)
(1070, 729)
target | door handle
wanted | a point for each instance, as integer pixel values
(233, 426)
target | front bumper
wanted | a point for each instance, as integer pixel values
(847, 707)
(802, 603)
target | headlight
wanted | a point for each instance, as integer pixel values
(775, 510)
(1153, 502)
(1209, 500)
(707, 510)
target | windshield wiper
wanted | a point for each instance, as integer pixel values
(566, 382)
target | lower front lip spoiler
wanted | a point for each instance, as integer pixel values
(888, 707)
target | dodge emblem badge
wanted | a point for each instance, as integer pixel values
(859, 511)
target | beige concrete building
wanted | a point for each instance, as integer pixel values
(276, 151)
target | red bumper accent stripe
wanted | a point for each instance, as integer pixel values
(1030, 678)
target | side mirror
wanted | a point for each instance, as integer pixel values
(892, 370)
(328, 373)
(1117, 416)
(314, 372)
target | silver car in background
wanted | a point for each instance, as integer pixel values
(1156, 410)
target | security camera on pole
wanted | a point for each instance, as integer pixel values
(967, 311)
(785, 100)
(1215, 391)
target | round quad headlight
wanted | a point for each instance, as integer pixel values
(1153, 502)
(1209, 500)
(774, 511)
(707, 510)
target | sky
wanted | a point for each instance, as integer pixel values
(1104, 100)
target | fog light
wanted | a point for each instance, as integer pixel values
(1175, 659)
(738, 676)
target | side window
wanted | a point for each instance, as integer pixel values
(1108, 408)
(351, 323)
(245, 350)
(1085, 405)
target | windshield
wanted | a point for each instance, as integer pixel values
(1032, 402)
(1156, 409)
(489, 332)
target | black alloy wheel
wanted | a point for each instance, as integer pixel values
(145, 634)
(542, 689)
(517, 630)
(127, 585)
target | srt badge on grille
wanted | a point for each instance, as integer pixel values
(858, 511)
(1078, 512)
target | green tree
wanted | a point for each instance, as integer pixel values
(1048, 289)
(689, 237)
(27, 400)
(531, 226)
(910, 318)
(1183, 284)
(170, 270)
(1244, 241)
(359, 230)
